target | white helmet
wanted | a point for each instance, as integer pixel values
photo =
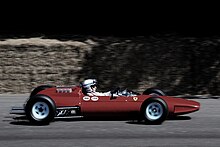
(86, 85)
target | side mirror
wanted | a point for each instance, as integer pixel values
(114, 93)
(113, 97)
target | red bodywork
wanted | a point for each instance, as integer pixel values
(73, 96)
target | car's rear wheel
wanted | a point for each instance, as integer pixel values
(155, 111)
(40, 110)
(40, 88)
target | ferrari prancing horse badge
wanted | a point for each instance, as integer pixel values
(135, 98)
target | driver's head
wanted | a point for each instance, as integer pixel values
(89, 85)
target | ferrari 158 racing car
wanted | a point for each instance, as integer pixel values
(46, 103)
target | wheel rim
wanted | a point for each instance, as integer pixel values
(40, 110)
(154, 111)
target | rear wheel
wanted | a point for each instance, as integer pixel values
(40, 88)
(154, 111)
(40, 110)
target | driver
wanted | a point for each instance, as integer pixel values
(89, 87)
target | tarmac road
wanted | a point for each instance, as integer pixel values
(201, 128)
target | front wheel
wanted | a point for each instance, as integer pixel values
(40, 110)
(154, 92)
(155, 111)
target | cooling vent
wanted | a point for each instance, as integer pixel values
(64, 90)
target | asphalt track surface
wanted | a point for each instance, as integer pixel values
(201, 128)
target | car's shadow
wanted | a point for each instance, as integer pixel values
(179, 118)
(22, 120)
(174, 118)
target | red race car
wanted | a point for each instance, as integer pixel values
(49, 102)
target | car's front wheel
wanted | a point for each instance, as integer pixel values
(155, 111)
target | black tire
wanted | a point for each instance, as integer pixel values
(154, 111)
(40, 88)
(154, 91)
(40, 110)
